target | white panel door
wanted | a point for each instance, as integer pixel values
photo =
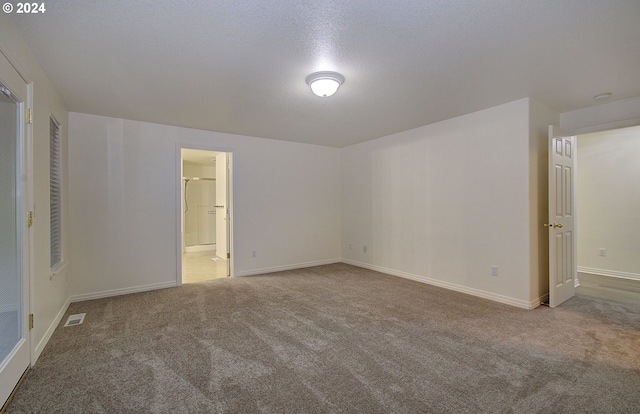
(562, 217)
(14, 281)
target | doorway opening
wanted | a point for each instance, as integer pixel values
(594, 253)
(608, 263)
(205, 215)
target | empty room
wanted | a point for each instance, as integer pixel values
(332, 207)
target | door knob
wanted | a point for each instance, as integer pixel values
(552, 225)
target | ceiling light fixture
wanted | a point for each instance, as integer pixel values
(324, 83)
(602, 97)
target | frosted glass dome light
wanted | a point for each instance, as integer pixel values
(324, 84)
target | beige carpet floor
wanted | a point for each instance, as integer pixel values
(335, 339)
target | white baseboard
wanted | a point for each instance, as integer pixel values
(47, 335)
(286, 267)
(123, 291)
(451, 286)
(609, 273)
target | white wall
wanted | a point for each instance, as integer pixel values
(123, 178)
(49, 291)
(608, 202)
(444, 202)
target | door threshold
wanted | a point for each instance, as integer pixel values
(13, 393)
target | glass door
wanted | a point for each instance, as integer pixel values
(14, 332)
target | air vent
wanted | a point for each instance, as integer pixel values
(76, 319)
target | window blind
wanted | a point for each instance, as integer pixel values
(55, 191)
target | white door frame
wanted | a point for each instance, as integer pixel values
(178, 183)
(223, 166)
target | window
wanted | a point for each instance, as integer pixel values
(55, 191)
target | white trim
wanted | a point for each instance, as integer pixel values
(122, 291)
(178, 199)
(59, 268)
(451, 286)
(30, 232)
(6, 365)
(287, 267)
(37, 350)
(56, 196)
(609, 273)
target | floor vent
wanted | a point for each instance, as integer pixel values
(76, 319)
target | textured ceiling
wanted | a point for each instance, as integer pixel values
(239, 66)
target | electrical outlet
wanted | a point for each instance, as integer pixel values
(349, 246)
(494, 270)
(364, 248)
(602, 251)
(253, 253)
